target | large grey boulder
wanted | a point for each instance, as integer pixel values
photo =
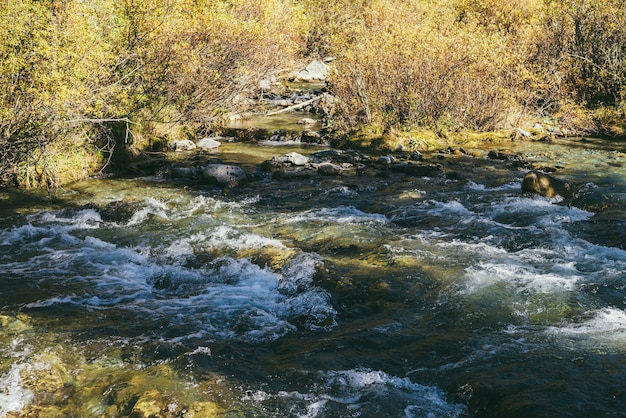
(316, 70)
(208, 144)
(224, 174)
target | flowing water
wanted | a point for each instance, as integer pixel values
(350, 296)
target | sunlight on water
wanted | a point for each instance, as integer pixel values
(348, 296)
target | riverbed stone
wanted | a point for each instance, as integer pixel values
(203, 410)
(150, 404)
(119, 211)
(514, 160)
(48, 379)
(273, 165)
(295, 158)
(311, 137)
(416, 156)
(329, 169)
(386, 159)
(224, 174)
(307, 121)
(291, 174)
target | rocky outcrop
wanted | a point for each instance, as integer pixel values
(207, 144)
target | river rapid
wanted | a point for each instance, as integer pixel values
(379, 295)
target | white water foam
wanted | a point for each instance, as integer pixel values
(233, 299)
(603, 330)
(83, 219)
(215, 238)
(451, 207)
(541, 210)
(339, 215)
(362, 392)
(13, 395)
(226, 236)
(524, 278)
(477, 187)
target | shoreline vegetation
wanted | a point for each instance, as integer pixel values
(86, 85)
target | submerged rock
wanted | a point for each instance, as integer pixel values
(417, 170)
(546, 185)
(202, 410)
(118, 211)
(150, 404)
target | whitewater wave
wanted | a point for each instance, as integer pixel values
(360, 392)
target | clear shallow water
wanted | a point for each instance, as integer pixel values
(351, 296)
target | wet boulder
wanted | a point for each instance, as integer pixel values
(386, 159)
(546, 185)
(191, 173)
(150, 404)
(224, 174)
(329, 169)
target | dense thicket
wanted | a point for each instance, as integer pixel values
(81, 78)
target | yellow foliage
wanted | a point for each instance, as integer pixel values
(94, 66)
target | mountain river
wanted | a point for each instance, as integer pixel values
(378, 295)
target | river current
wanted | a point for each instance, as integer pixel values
(347, 296)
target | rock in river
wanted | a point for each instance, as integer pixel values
(546, 185)
(207, 144)
(224, 174)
